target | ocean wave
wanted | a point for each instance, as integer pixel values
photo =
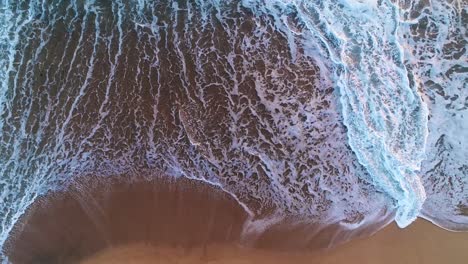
(315, 109)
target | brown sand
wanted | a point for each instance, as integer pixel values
(421, 243)
(183, 221)
(92, 215)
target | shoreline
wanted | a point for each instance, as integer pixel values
(420, 243)
(89, 216)
(93, 216)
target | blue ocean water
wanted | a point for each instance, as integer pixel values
(334, 111)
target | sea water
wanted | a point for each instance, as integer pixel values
(335, 112)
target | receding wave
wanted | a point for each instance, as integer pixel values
(326, 112)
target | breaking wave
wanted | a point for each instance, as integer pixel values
(337, 112)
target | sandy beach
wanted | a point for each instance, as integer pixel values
(421, 243)
(183, 221)
(64, 227)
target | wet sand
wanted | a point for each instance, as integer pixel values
(166, 220)
(65, 227)
(421, 243)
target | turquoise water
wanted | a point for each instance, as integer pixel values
(332, 111)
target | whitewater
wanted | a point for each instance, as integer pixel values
(334, 112)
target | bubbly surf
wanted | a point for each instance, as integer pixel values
(336, 112)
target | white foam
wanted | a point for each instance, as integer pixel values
(273, 136)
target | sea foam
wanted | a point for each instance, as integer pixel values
(335, 112)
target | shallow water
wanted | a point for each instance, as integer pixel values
(343, 112)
